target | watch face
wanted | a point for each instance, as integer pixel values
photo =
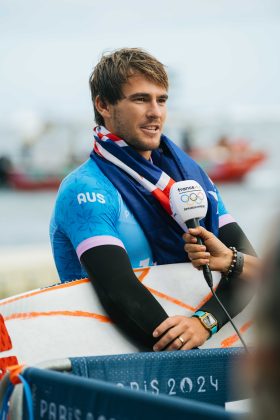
(209, 321)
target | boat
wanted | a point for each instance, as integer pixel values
(235, 171)
(33, 182)
(228, 164)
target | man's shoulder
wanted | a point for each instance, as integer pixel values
(86, 186)
(87, 175)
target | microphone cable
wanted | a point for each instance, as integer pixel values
(207, 274)
(230, 319)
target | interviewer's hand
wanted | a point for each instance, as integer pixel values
(214, 253)
(190, 330)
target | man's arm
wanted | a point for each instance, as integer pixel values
(124, 297)
(138, 313)
(132, 306)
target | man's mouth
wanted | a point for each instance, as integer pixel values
(153, 128)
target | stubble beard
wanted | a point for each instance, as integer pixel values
(142, 145)
(134, 141)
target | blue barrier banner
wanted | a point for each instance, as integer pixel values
(61, 396)
(203, 375)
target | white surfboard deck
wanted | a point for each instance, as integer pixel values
(67, 320)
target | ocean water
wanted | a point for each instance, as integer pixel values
(254, 203)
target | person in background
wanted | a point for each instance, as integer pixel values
(5, 169)
(186, 140)
(263, 363)
(112, 214)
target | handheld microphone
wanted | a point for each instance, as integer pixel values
(189, 203)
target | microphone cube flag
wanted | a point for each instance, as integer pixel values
(188, 200)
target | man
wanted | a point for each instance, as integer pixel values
(121, 194)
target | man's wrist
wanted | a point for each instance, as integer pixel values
(202, 327)
(236, 266)
(227, 261)
(208, 321)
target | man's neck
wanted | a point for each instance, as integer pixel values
(146, 154)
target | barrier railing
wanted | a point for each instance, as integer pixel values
(132, 386)
(61, 396)
(202, 375)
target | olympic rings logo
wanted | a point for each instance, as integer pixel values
(192, 198)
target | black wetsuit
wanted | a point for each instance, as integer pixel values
(135, 309)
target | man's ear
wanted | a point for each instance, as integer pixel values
(102, 107)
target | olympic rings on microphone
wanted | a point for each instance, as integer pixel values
(192, 197)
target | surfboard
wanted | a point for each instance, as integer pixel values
(67, 319)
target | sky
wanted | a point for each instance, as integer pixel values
(222, 55)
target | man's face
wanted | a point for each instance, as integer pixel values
(139, 116)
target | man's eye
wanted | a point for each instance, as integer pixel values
(140, 99)
(162, 100)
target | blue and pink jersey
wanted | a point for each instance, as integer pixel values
(89, 212)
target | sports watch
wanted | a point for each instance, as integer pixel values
(208, 321)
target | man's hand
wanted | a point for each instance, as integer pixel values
(190, 330)
(214, 253)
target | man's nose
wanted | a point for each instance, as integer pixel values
(154, 110)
